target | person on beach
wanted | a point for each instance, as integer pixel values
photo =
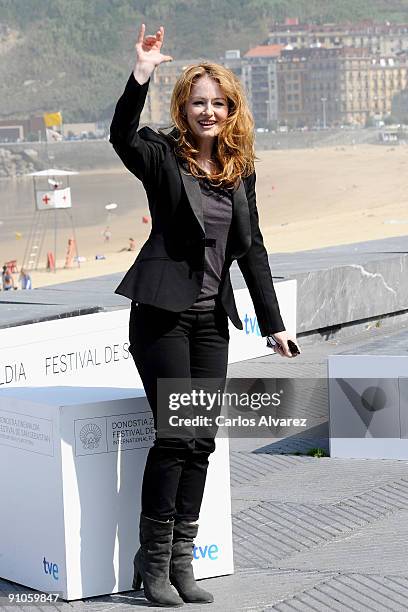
(107, 234)
(7, 279)
(25, 279)
(200, 183)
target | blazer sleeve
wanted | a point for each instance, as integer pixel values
(255, 269)
(140, 155)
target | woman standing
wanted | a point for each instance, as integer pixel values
(7, 279)
(200, 184)
(25, 279)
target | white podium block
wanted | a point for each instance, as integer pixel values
(75, 460)
(368, 406)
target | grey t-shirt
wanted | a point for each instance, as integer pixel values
(217, 214)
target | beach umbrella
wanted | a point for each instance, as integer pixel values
(110, 208)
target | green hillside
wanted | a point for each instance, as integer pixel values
(75, 55)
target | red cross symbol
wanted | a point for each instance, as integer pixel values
(46, 199)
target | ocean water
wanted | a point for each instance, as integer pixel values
(90, 192)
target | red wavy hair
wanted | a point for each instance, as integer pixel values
(234, 151)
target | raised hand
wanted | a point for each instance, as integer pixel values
(148, 52)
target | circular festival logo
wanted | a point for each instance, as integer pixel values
(90, 436)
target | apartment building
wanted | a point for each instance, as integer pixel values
(322, 87)
(309, 90)
(259, 76)
(379, 38)
(292, 69)
(399, 108)
(369, 84)
(308, 75)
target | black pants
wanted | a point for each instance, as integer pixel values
(183, 345)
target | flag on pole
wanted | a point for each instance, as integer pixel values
(52, 119)
(53, 135)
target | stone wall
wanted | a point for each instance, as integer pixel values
(92, 154)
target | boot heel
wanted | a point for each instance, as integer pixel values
(137, 582)
(137, 577)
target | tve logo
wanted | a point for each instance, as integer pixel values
(209, 551)
(251, 325)
(51, 568)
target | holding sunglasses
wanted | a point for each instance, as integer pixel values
(271, 343)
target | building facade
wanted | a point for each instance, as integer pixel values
(325, 87)
(292, 74)
(259, 77)
(369, 84)
(15, 130)
(379, 38)
(308, 75)
(399, 108)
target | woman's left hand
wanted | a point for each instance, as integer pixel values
(282, 338)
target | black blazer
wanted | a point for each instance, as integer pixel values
(168, 271)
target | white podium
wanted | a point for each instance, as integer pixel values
(75, 459)
(368, 406)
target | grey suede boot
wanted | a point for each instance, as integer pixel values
(152, 561)
(181, 570)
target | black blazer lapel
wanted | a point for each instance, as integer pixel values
(193, 192)
(240, 233)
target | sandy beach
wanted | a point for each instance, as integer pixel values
(307, 199)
